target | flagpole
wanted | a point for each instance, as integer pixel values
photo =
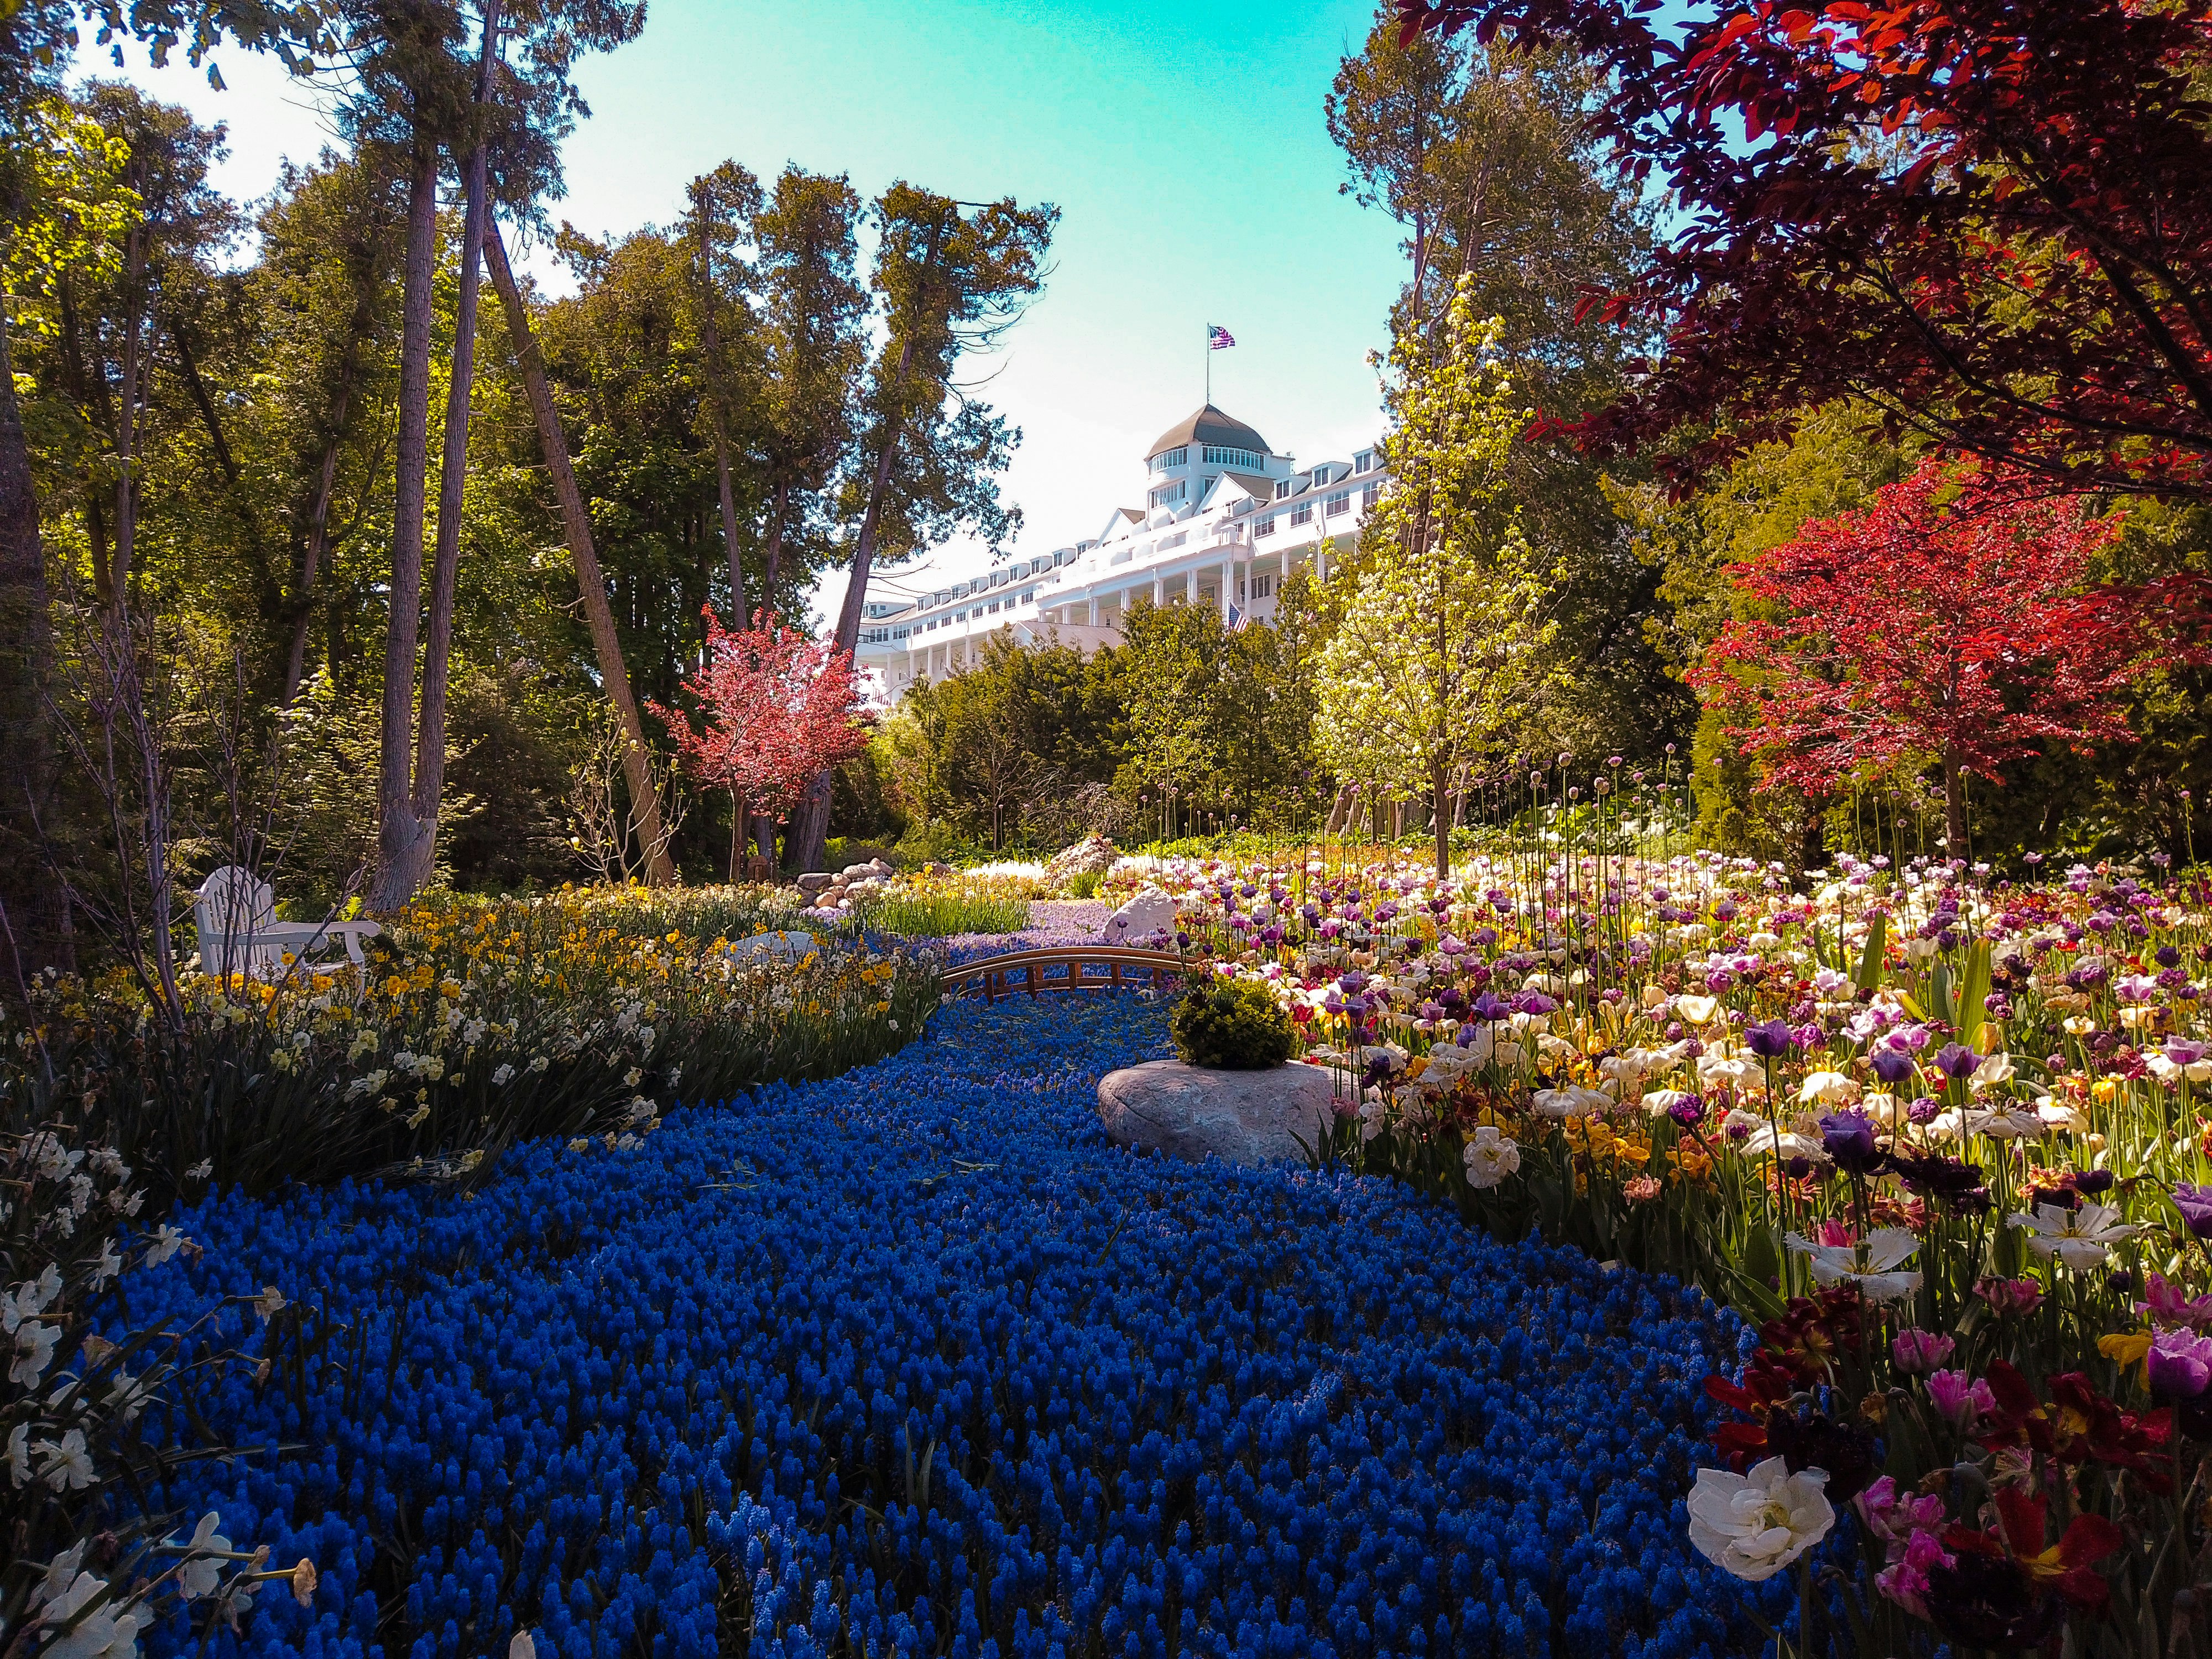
(1209, 364)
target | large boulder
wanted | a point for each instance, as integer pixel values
(1093, 855)
(1142, 919)
(1241, 1117)
(814, 881)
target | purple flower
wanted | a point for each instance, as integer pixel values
(1770, 1040)
(1959, 1398)
(1918, 1353)
(1489, 1008)
(1689, 1113)
(2194, 1203)
(1353, 983)
(1956, 1060)
(1891, 1065)
(1849, 1140)
(2180, 1364)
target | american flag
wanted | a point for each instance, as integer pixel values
(1219, 338)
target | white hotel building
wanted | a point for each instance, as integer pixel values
(1224, 520)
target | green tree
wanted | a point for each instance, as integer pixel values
(1484, 155)
(953, 277)
(1444, 650)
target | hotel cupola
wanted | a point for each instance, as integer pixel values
(1185, 461)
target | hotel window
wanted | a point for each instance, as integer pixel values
(1168, 458)
(1364, 461)
(1282, 489)
(1213, 455)
(1167, 493)
(995, 605)
(1266, 526)
(1339, 502)
(1262, 586)
(1369, 496)
(1302, 514)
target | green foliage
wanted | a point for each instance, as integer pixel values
(1233, 1025)
(1442, 656)
(1083, 885)
(941, 912)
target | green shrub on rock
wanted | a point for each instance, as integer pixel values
(1231, 1025)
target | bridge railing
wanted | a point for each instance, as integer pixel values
(1064, 967)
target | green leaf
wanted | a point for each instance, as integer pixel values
(1869, 977)
(1974, 991)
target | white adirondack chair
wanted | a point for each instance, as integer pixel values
(239, 933)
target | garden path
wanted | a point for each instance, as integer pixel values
(915, 1360)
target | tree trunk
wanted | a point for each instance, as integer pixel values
(712, 343)
(812, 826)
(736, 836)
(453, 479)
(590, 583)
(774, 556)
(1440, 783)
(1954, 806)
(126, 426)
(36, 911)
(318, 531)
(398, 856)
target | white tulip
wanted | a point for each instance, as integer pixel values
(1755, 1525)
(1490, 1157)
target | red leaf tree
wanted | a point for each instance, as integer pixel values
(777, 708)
(1952, 621)
(1987, 218)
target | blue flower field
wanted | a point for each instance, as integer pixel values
(915, 1362)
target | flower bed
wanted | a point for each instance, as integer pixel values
(1941, 1135)
(477, 1023)
(913, 1361)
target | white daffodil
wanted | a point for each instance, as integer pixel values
(205, 1552)
(1572, 1101)
(1736, 1072)
(1869, 1264)
(1995, 1070)
(2062, 1116)
(1755, 1525)
(34, 1350)
(1490, 1157)
(1447, 1064)
(1828, 1089)
(2080, 1238)
(68, 1465)
(2008, 1120)
(1755, 1137)
(18, 1454)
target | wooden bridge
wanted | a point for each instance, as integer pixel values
(1064, 967)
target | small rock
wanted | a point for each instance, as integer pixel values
(1240, 1117)
(1144, 917)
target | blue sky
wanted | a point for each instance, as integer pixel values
(1183, 142)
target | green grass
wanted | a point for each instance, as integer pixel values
(940, 915)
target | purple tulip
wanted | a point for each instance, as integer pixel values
(1891, 1065)
(1688, 1113)
(1956, 1060)
(2194, 1203)
(1770, 1040)
(1489, 1008)
(2180, 1364)
(1848, 1139)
